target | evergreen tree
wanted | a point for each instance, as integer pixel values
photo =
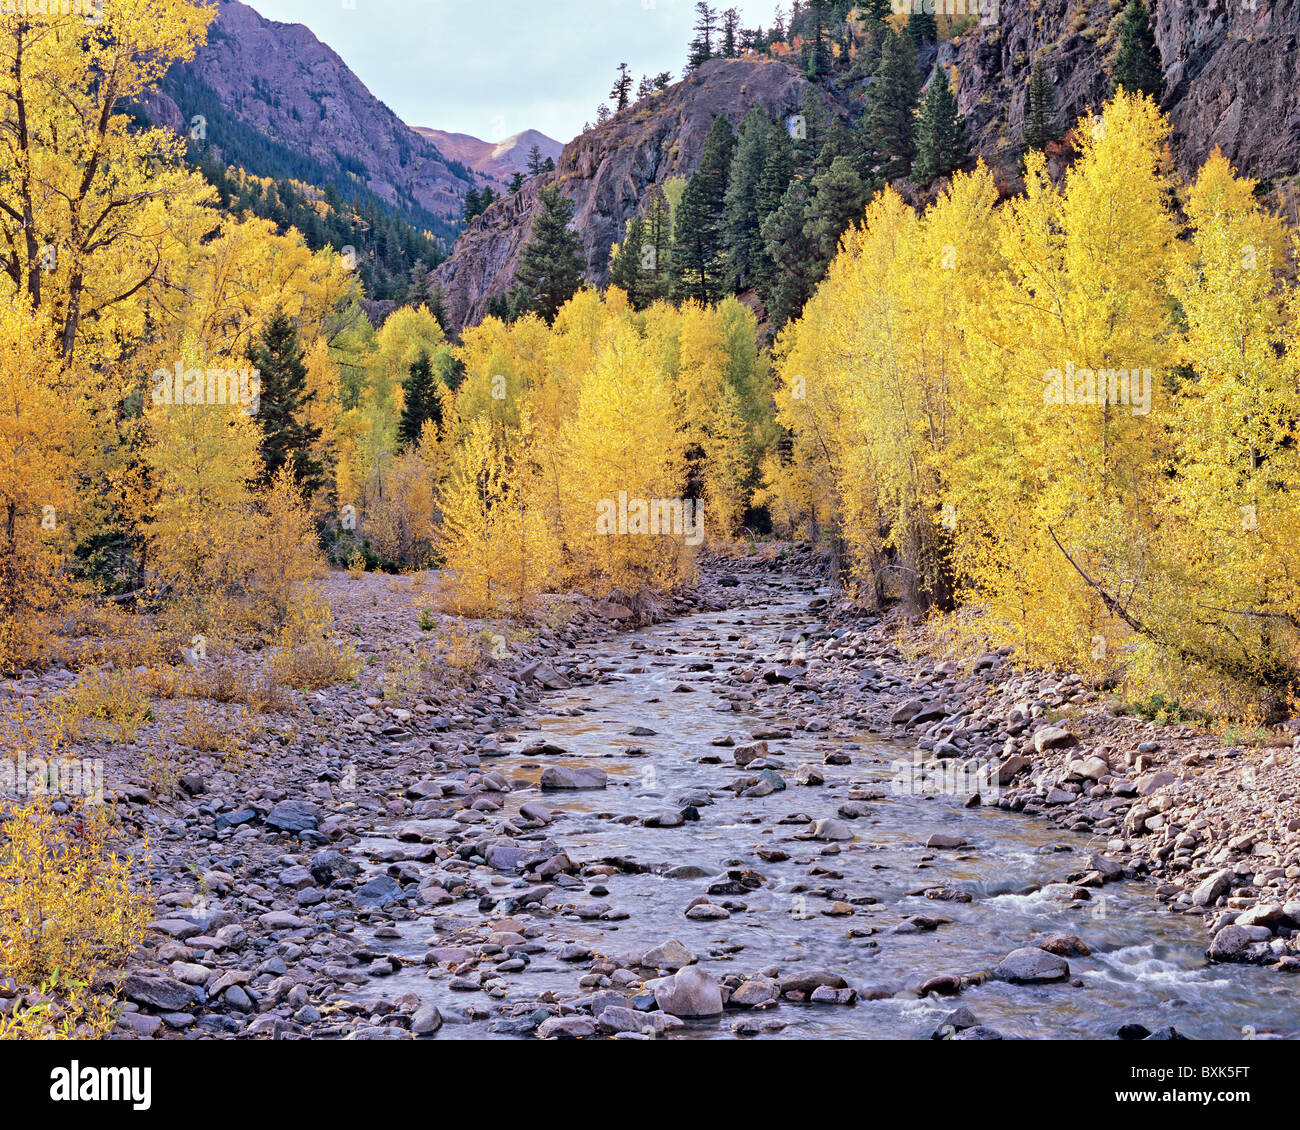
(1137, 66)
(437, 304)
(516, 183)
(621, 92)
(552, 263)
(422, 403)
(473, 204)
(287, 435)
(811, 136)
(645, 90)
(1040, 110)
(657, 247)
(742, 219)
(535, 161)
(940, 136)
(548, 166)
(663, 80)
(706, 27)
(817, 48)
(889, 123)
(698, 265)
(838, 201)
(778, 171)
(730, 33)
(792, 253)
(626, 269)
(698, 244)
(922, 29)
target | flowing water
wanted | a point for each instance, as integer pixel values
(1147, 964)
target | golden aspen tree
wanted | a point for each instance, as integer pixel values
(203, 457)
(1226, 602)
(625, 469)
(39, 419)
(1056, 482)
(83, 192)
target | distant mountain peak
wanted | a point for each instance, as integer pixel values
(497, 161)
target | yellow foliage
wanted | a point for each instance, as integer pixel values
(71, 916)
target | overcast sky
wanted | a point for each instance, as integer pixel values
(493, 68)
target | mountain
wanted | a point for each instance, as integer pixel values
(497, 161)
(278, 102)
(1230, 83)
(610, 171)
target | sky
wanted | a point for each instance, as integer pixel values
(494, 68)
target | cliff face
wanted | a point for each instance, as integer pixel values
(278, 83)
(610, 171)
(1230, 75)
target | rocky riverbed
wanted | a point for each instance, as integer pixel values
(749, 815)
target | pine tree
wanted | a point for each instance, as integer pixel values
(791, 251)
(626, 270)
(940, 137)
(742, 218)
(706, 27)
(422, 403)
(552, 263)
(730, 29)
(1040, 110)
(698, 266)
(658, 246)
(817, 47)
(922, 29)
(1137, 66)
(621, 92)
(287, 436)
(473, 204)
(646, 89)
(889, 123)
(535, 161)
(663, 80)
(516, 183)
(698, 241)
(811, 133)
(838, 200)
(778, 171)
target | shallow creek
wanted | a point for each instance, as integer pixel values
(1147, 965)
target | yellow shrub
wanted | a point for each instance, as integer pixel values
(70, 918)
(306, 657)
(109, 706)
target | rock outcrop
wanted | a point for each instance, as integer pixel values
(1229, 71)
(610, 171)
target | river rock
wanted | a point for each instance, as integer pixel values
(559, 777)
(689, 992)
(1031, 966)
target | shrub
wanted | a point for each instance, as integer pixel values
(70, 918)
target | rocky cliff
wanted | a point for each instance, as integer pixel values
(610, 171)
(1230, 75)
